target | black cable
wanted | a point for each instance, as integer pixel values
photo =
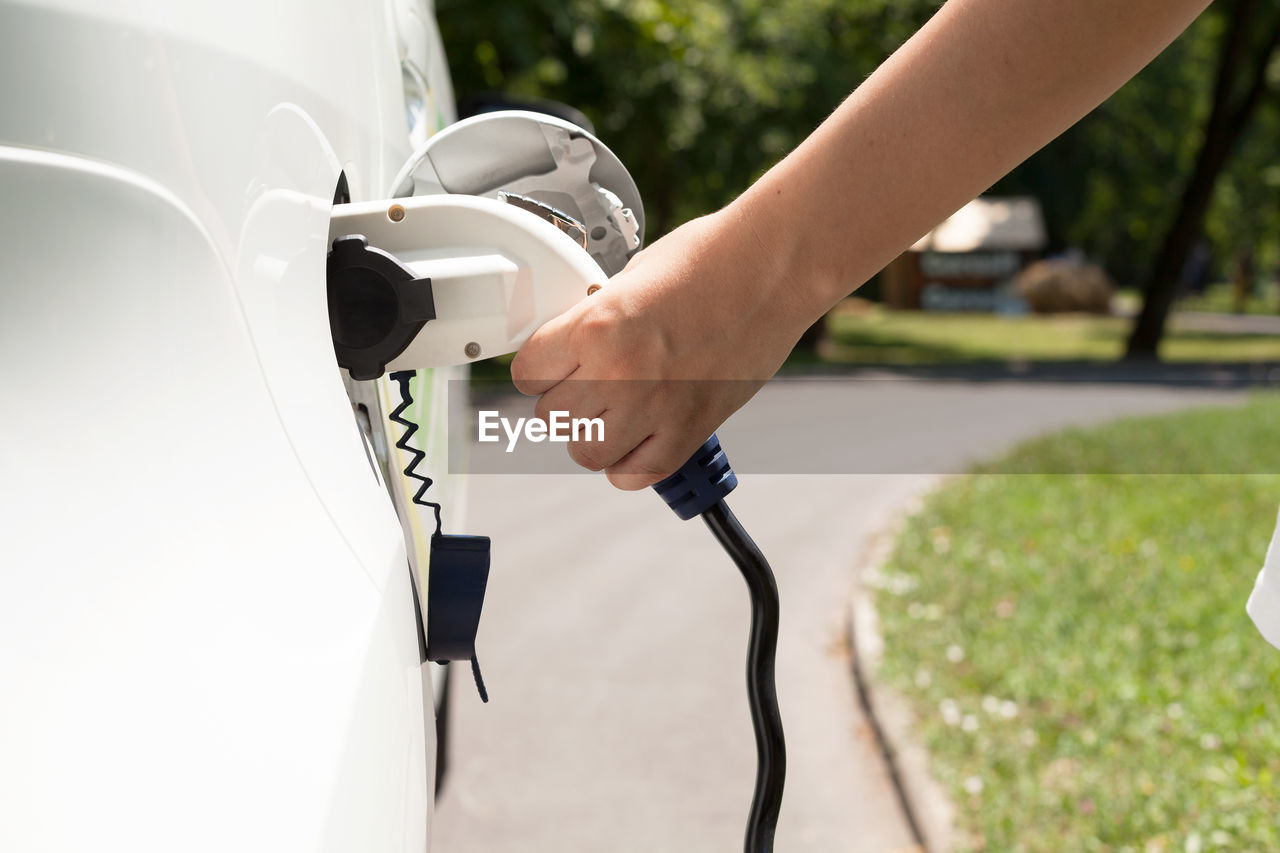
(762, 693)
(402, 378)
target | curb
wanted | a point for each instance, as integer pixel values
(929, 810)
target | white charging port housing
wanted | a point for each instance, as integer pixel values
(543, 158)
(496, 272)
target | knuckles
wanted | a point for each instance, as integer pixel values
(596, 327)
(629, 481)
(542, 409)
(522, 372)
(589, 456)
(639, 473)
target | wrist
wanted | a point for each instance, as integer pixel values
(799, 287)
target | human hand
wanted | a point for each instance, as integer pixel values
(668, 349)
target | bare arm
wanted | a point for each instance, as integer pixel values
(977, 90)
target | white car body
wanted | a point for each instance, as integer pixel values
(208, 637)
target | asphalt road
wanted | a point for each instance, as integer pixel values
(614, 635)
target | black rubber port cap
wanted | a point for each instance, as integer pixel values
(376, 306)
(456, 583)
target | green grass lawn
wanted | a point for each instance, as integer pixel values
(1220, 299)
(916, 337)
(1076, 646)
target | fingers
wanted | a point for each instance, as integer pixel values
(655, 459)
(621, 435)
(632, 474)
(610, 405)
(547, 358)
(650, 355)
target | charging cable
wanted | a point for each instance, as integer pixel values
(699, 488)
(458, 570)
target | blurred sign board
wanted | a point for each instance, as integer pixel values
(967, 262)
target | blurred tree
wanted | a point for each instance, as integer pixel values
(1244, 212)
(1247, 49)
(699, 97)
(1106, 183)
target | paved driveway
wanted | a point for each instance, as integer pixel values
(614, 635)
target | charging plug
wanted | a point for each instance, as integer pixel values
(701, 483)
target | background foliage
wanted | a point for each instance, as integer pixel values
(699, 97)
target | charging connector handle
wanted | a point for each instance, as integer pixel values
(701, 483)
(699, 488)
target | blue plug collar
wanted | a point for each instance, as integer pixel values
(701, 483)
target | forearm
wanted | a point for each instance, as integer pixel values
(976, 91)
(725, 297)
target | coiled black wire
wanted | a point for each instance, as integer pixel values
(762, 692)
(401, 378)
